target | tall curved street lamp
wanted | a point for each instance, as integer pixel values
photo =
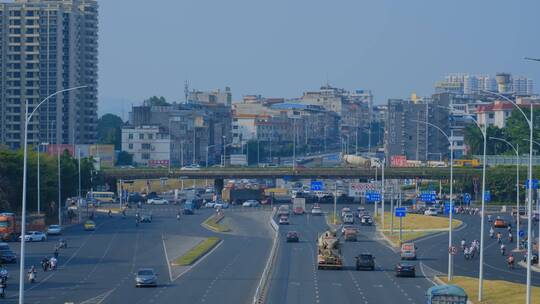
(516, 150)
(27, 117)
(529, 202)
(451, 207)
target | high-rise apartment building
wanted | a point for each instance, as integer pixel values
(47, 46)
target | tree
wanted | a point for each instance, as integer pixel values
(124, 159)
(110, 130)
(156, 101)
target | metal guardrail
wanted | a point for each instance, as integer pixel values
(260, 292)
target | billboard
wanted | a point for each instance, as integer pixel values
(360, 189)
(105, 153)
(158, 163)
(53, 149)
(398, 161)
(238, 160)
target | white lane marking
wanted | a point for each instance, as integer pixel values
(98, 299)
(167, 258)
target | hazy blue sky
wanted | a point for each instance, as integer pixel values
(279, 48)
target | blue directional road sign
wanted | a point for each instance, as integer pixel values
(521, 233)
(534, 184)
(487, 196)
(401, 212)
(446, 207)
(373, 196)
(466, 198)
(428, 197)
(317, 186)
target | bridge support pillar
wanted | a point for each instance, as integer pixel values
(218, 186)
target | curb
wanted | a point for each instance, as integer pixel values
(533, 268)
(221, 217)
(262, 288)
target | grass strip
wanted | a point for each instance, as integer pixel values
(416, 221)
(196, 252)
(495, 291)
(213, 224)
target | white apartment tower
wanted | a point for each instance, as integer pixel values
(47, 46)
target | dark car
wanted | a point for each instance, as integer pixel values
(136, 197)
(7, 256)
(365, 261)
(146, 277)
(146, 218)
(366, 220)
(292, 237)
(405, 270)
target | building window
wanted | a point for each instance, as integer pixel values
(491, 116)
(150, 136)
(130, 136)
(141, 136)
(145, 156)
(130, 147)
(146, 146)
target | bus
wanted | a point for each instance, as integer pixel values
(101, 197)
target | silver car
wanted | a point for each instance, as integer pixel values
(146, 277)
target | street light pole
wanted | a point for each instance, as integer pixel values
(59, 186)
(516, 149)
(451, 203)
(529, 203)
(27, 118)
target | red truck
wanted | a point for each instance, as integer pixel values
(10, 225)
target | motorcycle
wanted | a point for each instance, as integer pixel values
(32, 276)
(3, 285)
(63, 244)
(178, 217)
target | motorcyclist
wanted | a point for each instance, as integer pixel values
(510, 261)
(53, 262)
(4, 273)
(62, 243)
(472, 251)
(489, 218)
(32, 274)
(503, 249)
(491, 232)
(499, 237)
(463, 244)
(109, 213)
(45, 264)
(510, 237)
(178, 216)
(467, 253)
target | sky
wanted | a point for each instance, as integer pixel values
(281, 48)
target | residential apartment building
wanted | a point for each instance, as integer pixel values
(194, 128)
(47, 46)
(353, 108)
(148, 144)
(465, 84)
(211, 97)
(409, 135)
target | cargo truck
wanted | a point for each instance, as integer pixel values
(299, 205)
(328, 251)
(10, 225)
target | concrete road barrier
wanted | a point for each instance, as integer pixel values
(260, 292)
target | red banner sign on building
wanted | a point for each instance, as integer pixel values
(398, 161)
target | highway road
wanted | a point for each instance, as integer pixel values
(296, 279)
(435, 254)
(98, 266)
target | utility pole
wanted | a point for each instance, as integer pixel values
(59, 187)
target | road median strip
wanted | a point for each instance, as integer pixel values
(495, 291)
(414, 226)
(213, 223)
(196, 252)
(333, 220)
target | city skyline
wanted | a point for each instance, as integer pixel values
(283, 52)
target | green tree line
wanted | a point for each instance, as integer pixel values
(11, 172)
(516, 132)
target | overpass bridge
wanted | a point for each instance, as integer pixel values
(288, 172)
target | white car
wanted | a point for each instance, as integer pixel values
(345, 227)
(431, 212)
(157, 201)
(34, 236)
(192, 167)
(221, 205)
(54, 230)
(345, 211)
(316, 211)
(250, 203)
(210, 205)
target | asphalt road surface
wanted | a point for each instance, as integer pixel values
(296, 279)
(99, 266)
